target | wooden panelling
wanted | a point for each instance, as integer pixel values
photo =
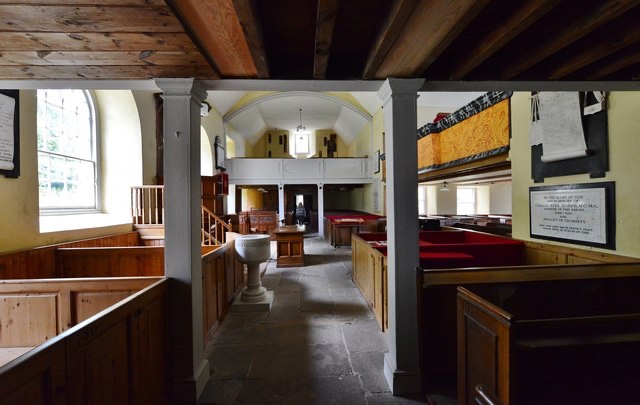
(33, 311)
(117, 358)
(221, 280)
(95, 42)
(111, 262)
(27, 320)
(63, 18)
(40, 262)
(545, 253)
(369, 273)
(90, 303)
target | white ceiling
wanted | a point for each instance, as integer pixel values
(318, 111)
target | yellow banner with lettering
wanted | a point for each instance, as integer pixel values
(483, 132)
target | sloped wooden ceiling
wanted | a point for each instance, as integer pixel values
(321, 39)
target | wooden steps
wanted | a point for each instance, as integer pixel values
(151, 235)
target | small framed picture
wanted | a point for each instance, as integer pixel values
(376, 158)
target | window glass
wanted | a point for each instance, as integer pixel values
(67, 163)
(466, 199)
(302, 143)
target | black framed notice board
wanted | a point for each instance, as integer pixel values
(10, 133)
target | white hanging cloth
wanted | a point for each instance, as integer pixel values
(561, 122)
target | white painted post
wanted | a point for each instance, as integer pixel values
(182, 254)
(320, 209)
(402, 367)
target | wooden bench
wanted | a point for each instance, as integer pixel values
(437, 305)
(563, 341)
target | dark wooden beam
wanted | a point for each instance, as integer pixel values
(398, 15)
(527, 14)
(596, 51)
(570, 33)
(430, 29)
(325, 22)
(252, 28)
(614, 65)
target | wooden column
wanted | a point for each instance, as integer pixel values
(182, 253)
(402, 367)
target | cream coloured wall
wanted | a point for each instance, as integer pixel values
(428, 114)
(146, 106)
(121, 150)
(624, 144)
(20, 217)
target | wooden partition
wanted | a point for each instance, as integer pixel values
(110, 261)
(369, 272)
(437, 302)
(41, 262)
(222, 277)
(580, 344)
(117, 357)
(545, 253)
(34, 311)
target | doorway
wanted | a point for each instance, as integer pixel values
(308, 195)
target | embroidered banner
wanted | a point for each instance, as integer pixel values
(476, 131)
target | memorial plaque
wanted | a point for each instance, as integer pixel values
(577, 213)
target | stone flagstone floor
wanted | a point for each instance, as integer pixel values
(319, 344)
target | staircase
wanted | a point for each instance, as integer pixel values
(147, 212)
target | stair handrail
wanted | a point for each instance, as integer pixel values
(207, 237)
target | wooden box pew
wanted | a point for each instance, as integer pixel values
(437, 304)
(562, 341)
(117, 355)
(34, 311)
(222, 278)
(339, 227)
(40, 262)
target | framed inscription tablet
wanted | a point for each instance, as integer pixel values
(582, 214)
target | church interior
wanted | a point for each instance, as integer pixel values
(319, 201)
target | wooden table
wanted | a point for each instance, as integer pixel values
(342, 229)
(290, 245)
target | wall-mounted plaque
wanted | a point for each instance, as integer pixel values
(582, 214)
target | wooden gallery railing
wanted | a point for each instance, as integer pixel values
(147, 209)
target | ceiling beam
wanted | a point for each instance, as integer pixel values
(252, 28)
(215, 28)
(526, 15)
(616, 64)
(596, 51)
(325, 22)
(398, 15)
(570, 33)
(430, 29)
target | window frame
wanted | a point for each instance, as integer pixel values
(95, 150)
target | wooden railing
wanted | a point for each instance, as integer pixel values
(147, 208)
(213, 228)
(147, 205)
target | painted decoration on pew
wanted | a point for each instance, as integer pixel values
(582, 214)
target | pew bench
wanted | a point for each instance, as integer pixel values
(566, 341)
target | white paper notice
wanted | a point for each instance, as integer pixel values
(570, 214)
(561, 122)
(7, 111)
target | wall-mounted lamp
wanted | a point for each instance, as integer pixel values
(444, 186)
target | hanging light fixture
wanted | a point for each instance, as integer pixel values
(301, 128)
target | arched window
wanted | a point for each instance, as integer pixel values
(67, 155)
